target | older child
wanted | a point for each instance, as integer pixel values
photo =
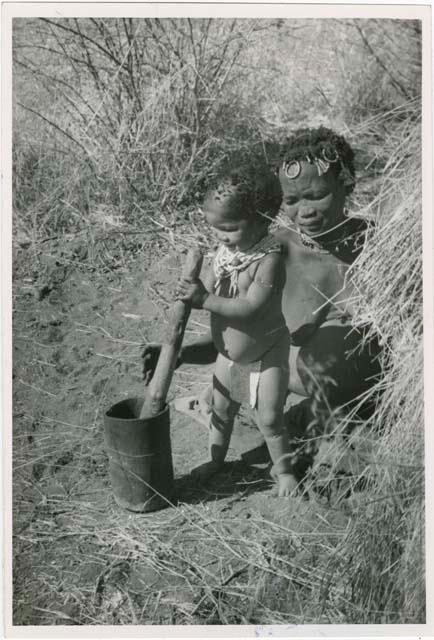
(321, 241)
(243, 293)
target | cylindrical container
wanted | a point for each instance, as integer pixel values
(140, 456)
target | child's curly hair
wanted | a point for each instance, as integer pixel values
(257, 187)
(313, 143)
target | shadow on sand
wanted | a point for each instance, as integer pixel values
(240, 478)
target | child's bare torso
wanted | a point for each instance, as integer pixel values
(245, 341)
(317, 286)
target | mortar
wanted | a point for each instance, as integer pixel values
(137, 430)
(140, 456)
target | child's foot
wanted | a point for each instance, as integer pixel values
(205, 471)
(286, 485)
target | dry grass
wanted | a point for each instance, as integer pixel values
(390, 534)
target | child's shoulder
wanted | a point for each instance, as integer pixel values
(270, 258)
(269, 263)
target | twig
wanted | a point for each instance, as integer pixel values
(53, 124)
(381, 63)
(234, 574)
(48, 393)
(59, 614)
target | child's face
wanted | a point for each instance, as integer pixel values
(314, 203)
(230, 226)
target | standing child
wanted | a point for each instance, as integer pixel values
(243, 293)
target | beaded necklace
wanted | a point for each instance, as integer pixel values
(229, 263)
(307, 241)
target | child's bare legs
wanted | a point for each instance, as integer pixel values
(224, 410)
(273, 386)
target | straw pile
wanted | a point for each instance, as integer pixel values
(385, 543)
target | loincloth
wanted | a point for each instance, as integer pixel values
(244, 381)
(244, 378)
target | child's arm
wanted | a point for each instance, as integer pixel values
(258, 295)
(201, 351)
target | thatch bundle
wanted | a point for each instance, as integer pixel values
(384, 546)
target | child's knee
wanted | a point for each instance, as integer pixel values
(223, 408)
(270, 421)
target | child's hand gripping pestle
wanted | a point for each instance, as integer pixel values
(156, 392)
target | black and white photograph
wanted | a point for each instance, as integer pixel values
(218, 352)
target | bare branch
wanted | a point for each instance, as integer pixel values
(394, 81)
(53, 124)
(96, 44)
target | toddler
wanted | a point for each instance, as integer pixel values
(243, 293)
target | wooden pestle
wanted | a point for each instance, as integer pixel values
(156, 391)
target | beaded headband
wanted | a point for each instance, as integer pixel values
(292, 168)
